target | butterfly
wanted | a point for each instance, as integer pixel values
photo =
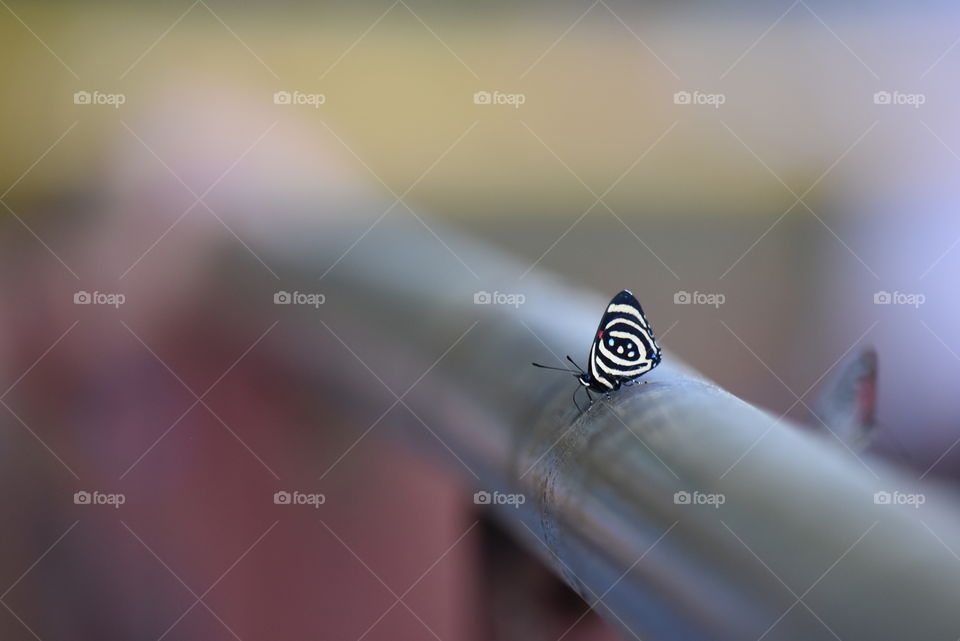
(623, 348)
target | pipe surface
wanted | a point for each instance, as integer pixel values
(782, 536)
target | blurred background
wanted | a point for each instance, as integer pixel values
(775, 181)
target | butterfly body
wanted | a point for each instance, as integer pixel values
(623, 347)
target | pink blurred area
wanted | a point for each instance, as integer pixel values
(182, 400)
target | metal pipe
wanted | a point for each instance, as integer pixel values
(799, 547)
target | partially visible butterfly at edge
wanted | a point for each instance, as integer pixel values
(622, 351)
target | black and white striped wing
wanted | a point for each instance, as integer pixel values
(623, 347)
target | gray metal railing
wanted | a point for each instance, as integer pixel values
(799, 547)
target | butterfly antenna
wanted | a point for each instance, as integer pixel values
(575, 364)
(559, 369)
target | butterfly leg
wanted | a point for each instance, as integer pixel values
(577, 389)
